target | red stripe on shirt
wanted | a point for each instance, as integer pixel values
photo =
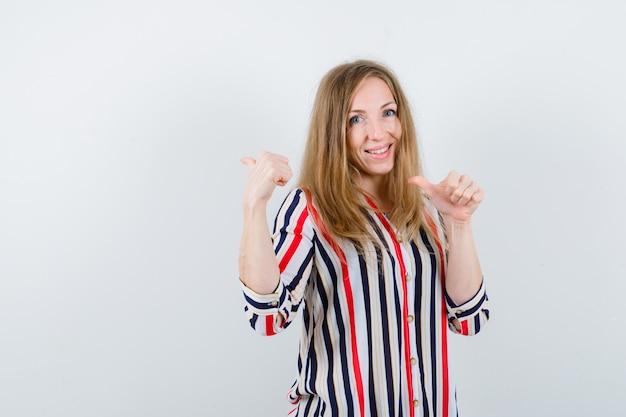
(293, 247)
(464, 328)
(269, 325)
(349, 298)
(405, 302)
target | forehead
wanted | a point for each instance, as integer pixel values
(372, 90)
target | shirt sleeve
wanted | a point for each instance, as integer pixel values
(292, 237)
(470, 315)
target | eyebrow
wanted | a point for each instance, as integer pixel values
(382, 107)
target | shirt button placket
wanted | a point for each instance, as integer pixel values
(410, 319)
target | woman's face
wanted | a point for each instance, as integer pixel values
(374, 130)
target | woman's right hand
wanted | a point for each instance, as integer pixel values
(264, 174)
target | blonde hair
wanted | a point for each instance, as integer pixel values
(326, 169)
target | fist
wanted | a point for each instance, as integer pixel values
(264, 174)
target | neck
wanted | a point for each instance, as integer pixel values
(378, 189)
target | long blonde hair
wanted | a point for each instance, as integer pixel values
(326, 169)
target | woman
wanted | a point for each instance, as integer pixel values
(381, 262)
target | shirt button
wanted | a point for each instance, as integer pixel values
(410, 319)
(416, 403)
(399, 238)
(274, 303)
(413, 361)
(407, 277)
(458, 312)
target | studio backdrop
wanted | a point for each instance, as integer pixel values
(121, 128)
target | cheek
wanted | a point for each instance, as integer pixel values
(398, 130)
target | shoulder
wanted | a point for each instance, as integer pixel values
(296, 213)
(296, 199)
(297, 196)
(296, 205)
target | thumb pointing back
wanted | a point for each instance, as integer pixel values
(421, 182)
(248, 161)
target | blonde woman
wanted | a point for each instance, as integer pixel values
(379, 262)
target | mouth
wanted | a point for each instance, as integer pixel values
(379, 151)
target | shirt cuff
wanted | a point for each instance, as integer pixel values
(469, 308)
(264, 304)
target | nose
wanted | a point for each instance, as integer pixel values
(375, 128)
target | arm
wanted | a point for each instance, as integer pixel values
(456, 198)
(293, 245)
(463, 276)
(258, 267)
(274, 270)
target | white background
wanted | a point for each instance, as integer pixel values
(121, 128)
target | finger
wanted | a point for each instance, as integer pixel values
(465, 195)
(248, 161)
(464, 191)
(282, 178)
(451, 181)
(473, 194)
(423, 183)
(465, 181)
(478, 196)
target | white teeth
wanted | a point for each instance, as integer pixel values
(379, 151)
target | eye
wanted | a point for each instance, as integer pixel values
(389, 113)
(355, 119)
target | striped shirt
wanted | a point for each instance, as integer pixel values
(375, 327)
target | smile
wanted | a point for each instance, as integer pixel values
(379, 151)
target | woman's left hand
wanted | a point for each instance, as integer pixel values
(456, 197)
